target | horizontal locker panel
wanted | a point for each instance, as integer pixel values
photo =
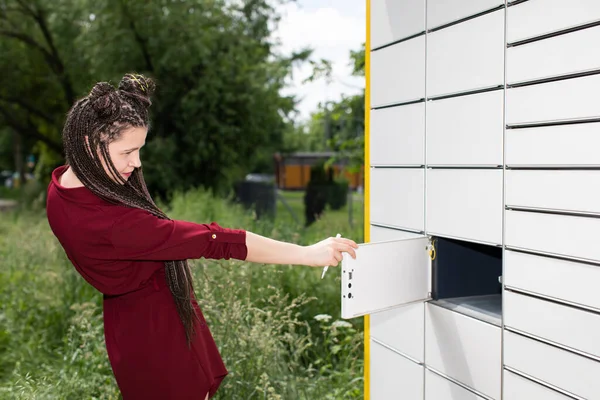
(559, 55)
(398, 73)
(565, 325)
(466, 56)
(466, 130)
(546, 276)
(439, 388)
(398, 135)
(397, 197)
(393, 376)
(465, 204)
(381, 234)
(576, 98)
(538, 17)
(518, 388)
(564, 145)
(562, 235)
(395, 20)
(401, 328)
(558, 367)
(464, 349)
(554, 189)
(441, 12)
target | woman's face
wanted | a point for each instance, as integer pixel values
(125, 151)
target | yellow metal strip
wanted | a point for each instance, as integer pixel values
(367, 169)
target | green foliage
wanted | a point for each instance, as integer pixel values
(277, 326)
(358, 61)
(338, 194)
(217, 114)
(321, 191)
(336, 126)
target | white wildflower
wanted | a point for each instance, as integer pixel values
(323, 317)
(341, 324)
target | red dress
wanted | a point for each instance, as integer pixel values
(121, 251)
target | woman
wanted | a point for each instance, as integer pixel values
(99, 208)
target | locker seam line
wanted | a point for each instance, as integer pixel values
(396, 351)
(458, 383)
(542, 383)
(553, 344)
(560, 257)
(466, 19)
(553, 300)
(430, 272)
(553, 34)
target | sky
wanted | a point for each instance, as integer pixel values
(332, 28)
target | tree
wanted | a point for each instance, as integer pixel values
(336, 125)
(217, 113)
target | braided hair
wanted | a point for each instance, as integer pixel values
(92, 124)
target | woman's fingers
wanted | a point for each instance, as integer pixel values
(349, 242)
(343, 247)
(338, 246)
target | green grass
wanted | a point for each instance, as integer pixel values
(262, 316)
(295, 201)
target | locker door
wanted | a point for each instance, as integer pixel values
(385, 275)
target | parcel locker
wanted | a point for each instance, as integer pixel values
(479, 279)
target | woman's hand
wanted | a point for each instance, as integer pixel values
(328, 252)
(325, 253)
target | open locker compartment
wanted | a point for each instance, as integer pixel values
(466, 278)
(454, 274)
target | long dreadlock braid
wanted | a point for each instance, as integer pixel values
(92, 124)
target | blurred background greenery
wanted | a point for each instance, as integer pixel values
(218, 115)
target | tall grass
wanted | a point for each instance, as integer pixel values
(278, 327)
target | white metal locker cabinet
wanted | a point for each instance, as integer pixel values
(466, 56)
(439, 388)
(401, 329)
(534, 18)
(517, 387)
(385, 275)
(394, 377)
(561, 235)
(398, 73)
(395, 20)
(566, 370)
(442, 12)
(563, 190)
(398, 135)
(566, 281)
(480, 278)
(568, 99)
(574, 328)
(386, 234)
(398, 197)
(464, 348)
(559, 55)
(466, 130)
(465, 204)
(553, 146)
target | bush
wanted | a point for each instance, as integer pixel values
(323, 190)
(338, 194)
(317, 193)
(279, 336)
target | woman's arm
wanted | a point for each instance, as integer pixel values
(325, 253)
